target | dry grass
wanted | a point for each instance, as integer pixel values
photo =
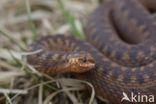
(21, 22)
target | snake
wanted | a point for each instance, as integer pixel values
(117, 56)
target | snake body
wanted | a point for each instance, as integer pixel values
(118, 56)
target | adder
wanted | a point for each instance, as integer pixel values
(118, 55)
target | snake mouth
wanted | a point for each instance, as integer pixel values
(87, 66)
(83, 68)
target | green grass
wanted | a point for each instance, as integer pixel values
(31, 24)
(6, 33)
(70, 20)
(8, 99)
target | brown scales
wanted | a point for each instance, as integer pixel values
(124, 61)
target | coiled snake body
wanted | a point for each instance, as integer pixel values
(118, 56)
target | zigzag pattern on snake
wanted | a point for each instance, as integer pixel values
(119, 54)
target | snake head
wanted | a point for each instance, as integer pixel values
(81, 62)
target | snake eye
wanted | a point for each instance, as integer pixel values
(91, 61)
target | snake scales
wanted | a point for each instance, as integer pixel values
(118, 56)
